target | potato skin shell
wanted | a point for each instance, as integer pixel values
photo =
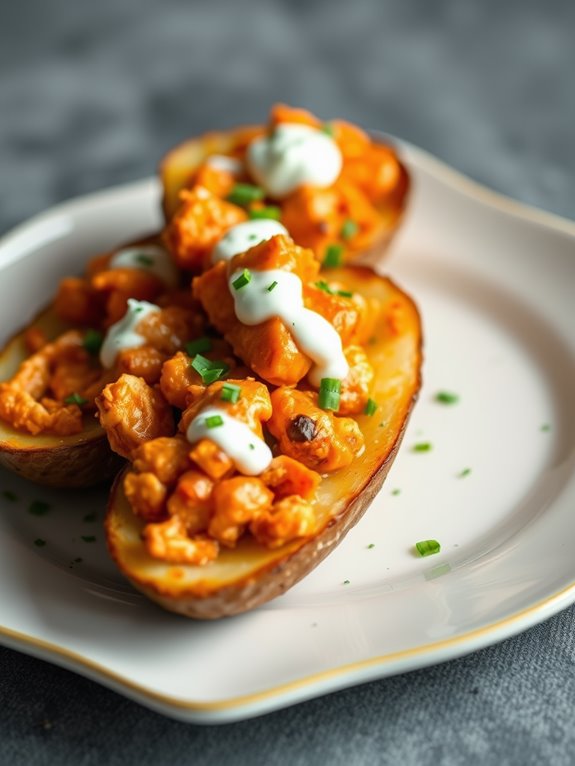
(273, 575)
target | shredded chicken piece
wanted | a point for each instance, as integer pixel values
(143, 362)
(191, 501)
(166, 457)
(289, 518)
(315, 437)
(286, 476)
(133, 412)
(146, 494)
(200, 221)
(356, 386)
(237, 502)
(169, 542)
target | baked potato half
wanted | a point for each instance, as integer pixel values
(358, 215)
(250, 574)
(79, 460)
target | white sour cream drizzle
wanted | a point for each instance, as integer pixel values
(240, 238)
(291, 156)
(250, 454)
(150, 258)
(312, 333)
(123, 334)
(223, 162)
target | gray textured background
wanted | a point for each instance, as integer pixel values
(92, 94)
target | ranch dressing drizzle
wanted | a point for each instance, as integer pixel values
(123, 334)
(293, 155)
(250, 454)
(240, 238)
(150, 258)
(314, 335)
(223, 162)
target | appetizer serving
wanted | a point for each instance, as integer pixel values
(257, 388)
(331, 186)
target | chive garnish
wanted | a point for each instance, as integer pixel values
(545, 427)
(244, 279)
(144, 260)
(38, 508)
(323, 285)
(349, 229)
(370, 546)
(213, 421)
(93, 340)
(422, 447)
(207, 370)
(395, 492)
(271, 212)
(199, 346)
(230, 392)
(446, 397)
(88, 538)
(252, 446)
(243, 194)
(370, 407)
(327, 128)
(332, 257)
(346, 582)
(345, 293)
(427, 547)
(464, 473)
(39, 542)
(329, 394)
(75, 399)
(9, 495)
(271, 287)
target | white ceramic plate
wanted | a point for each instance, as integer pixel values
(495, 283)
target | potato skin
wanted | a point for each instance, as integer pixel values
(82, 460)
(271, 573)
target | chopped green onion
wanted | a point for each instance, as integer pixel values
(39, 542)
(395, 492)
(93, 340)
(213, 421)
(346, 582)
(252, 446)
(428, 547)
(271, 212)
(329, 394)
(371, 407)
(422, 447)
(9, 495)
(446, 397)
(349, 229)
(323, 285)
(38, 508)
(345, 293)
(332, 257)
(370, 546)
(230, 392)
(199, 346)
(207, 370)
(88, 538)
(144, 260)
(271, 287)
(545, 427)
(464, 473)
(75, 399)
(243, 194)
(244, 279)
(327, 128)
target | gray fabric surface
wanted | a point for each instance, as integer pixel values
(91, 94)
